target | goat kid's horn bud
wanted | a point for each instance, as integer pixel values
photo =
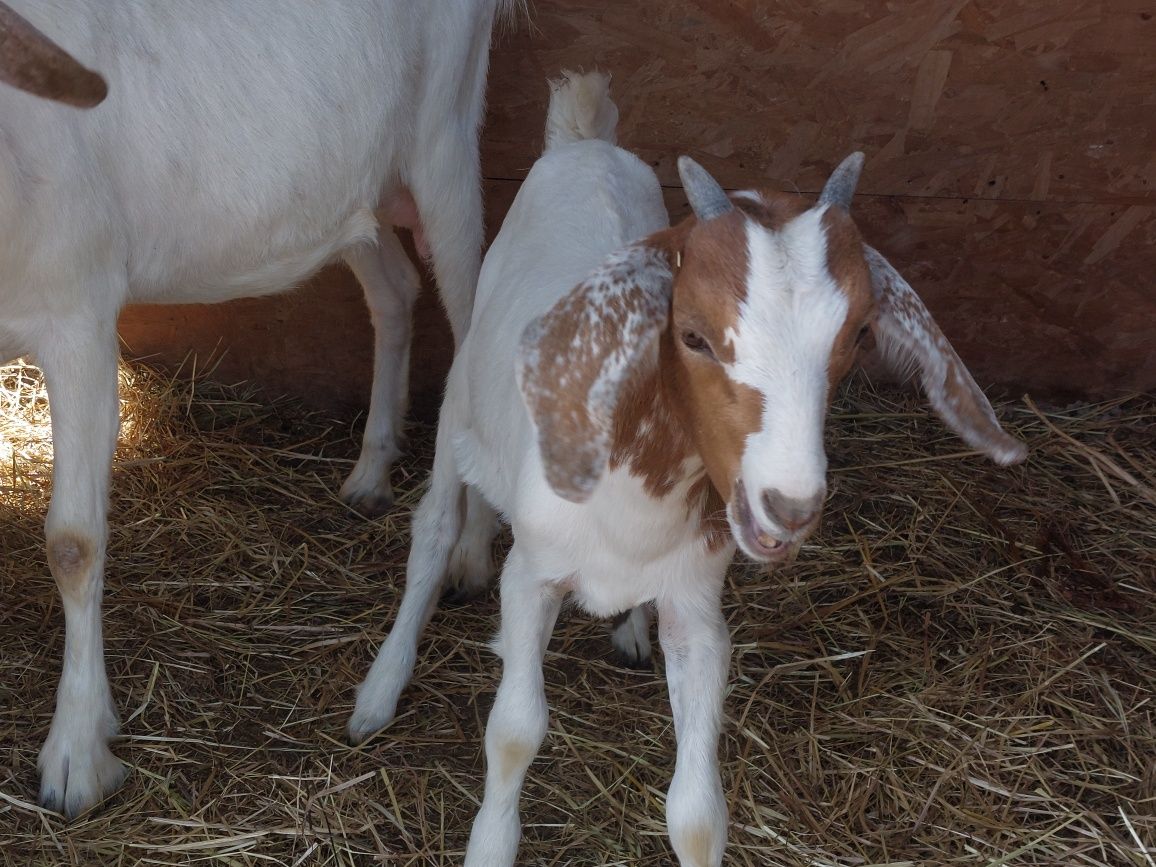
(840, 187)
(707, 199)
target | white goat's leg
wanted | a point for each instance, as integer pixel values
(630, 637)
(437, 522)
(696, 647)
(78, 358)
(391, 285)
(518, 720)
(472, 563)
(446, 186)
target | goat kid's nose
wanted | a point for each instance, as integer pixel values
(792, 513)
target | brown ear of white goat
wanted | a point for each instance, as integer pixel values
(32, 62)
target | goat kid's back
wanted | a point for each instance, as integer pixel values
(583, 199)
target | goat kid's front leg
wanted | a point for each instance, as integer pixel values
(518, 720)
(696, 647)
(78, 358)
(391, 285)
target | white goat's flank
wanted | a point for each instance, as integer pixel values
(243, 144)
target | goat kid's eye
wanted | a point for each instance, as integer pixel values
(695, 342)
(862, 335)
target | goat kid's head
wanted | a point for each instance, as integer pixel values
(754, 310)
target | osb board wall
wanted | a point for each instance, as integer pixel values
(1011, 172)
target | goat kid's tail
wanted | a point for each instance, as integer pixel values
(580, 109)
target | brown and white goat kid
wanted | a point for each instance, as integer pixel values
(610, 423)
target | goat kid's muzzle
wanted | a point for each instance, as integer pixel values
(759, 539)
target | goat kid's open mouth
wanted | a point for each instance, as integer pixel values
(758, 543)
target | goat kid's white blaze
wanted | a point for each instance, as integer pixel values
(783, 342)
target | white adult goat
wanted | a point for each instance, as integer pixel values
(244, 144)
(688, 369)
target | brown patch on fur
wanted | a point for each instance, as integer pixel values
(513, 758)
(70, 557)
(576, 360)
(34, 63)
(718, 412)
(697, 846)
(772, 209)
(648, 436)
(704, 499)
(711, 283)
(846, 264)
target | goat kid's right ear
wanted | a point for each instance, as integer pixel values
(908, 336)
(575, 358)
(34, 63)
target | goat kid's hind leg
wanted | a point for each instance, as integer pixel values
(472, 563)
(434, 531)
(78, 357)
(630, 638)
(518, 720)
(696, 647)
(391, 285)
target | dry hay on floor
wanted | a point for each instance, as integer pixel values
(958, 670)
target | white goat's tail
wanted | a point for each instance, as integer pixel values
(580, 109)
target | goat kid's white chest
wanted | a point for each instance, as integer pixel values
(623, 547)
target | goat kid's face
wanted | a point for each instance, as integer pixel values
(753, 311)
(769, 301)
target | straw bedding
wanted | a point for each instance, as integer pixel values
(959, 669)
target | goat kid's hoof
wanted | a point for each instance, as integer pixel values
(74, 780)
(635, 661)
(630, 640)
(372, 503)
(363, 725)
(463, 594)
(363, 730)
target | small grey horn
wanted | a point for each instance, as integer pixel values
(840, 187)
(707, 199)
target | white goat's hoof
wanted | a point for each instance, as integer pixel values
(76, 776)
(630, 637)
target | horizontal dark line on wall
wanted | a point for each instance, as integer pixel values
(1122, 201)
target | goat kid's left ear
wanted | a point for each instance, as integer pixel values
(906, 332)
(575, 358)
